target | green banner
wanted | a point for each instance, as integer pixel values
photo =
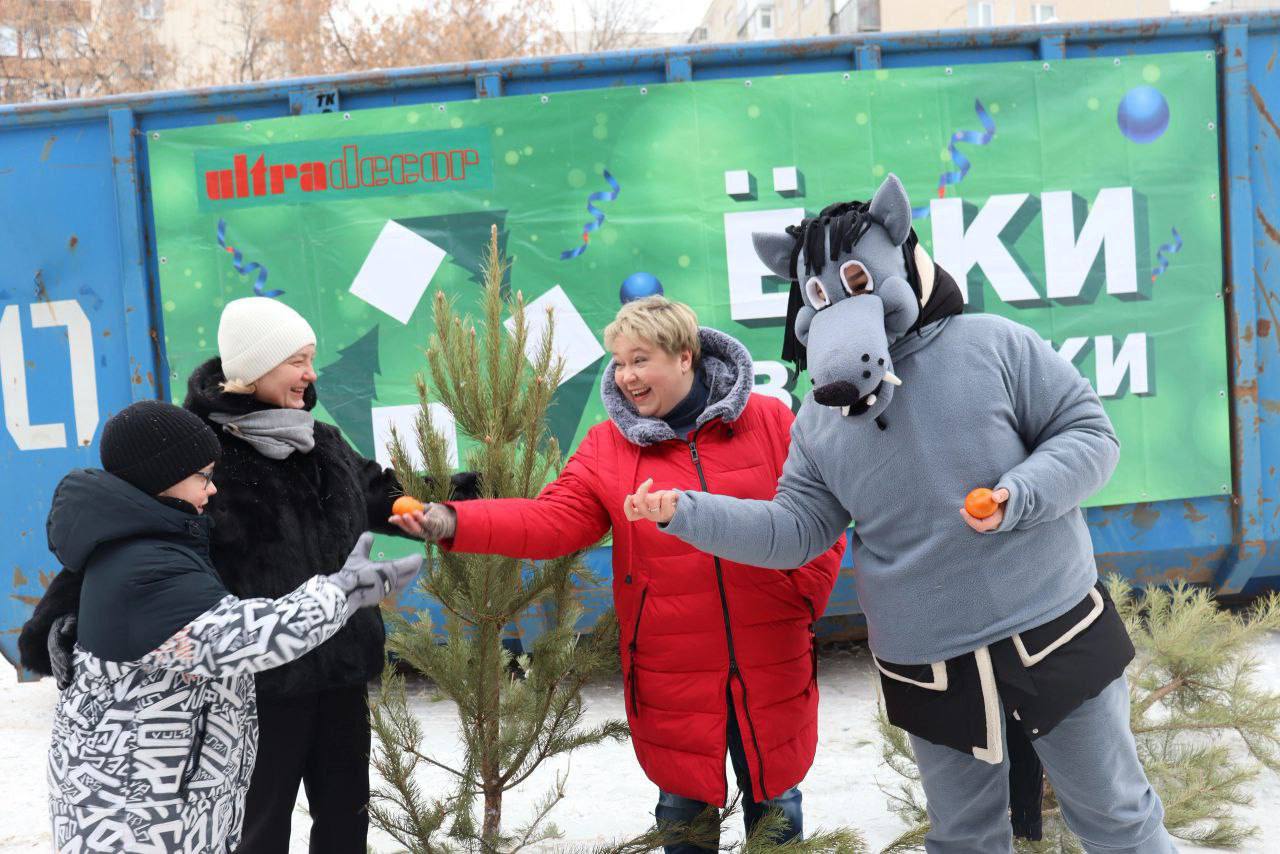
(1078, 197)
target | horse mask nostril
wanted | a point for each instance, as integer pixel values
(838, 393)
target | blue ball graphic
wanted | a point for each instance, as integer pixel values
(639, 285)
(1143, 114)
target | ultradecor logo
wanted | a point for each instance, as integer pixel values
(358, 167)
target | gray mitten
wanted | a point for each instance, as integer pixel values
(62, 644)
(367, 582)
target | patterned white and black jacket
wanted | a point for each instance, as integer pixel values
(154, 741)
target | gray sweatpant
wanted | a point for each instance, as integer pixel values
(1092, 762)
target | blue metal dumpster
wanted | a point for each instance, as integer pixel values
(82, 313)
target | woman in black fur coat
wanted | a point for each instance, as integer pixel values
(293, 498)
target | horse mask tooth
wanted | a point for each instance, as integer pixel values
(857, 277)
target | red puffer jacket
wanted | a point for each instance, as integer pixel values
(692, 626)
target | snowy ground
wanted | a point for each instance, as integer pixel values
(608, 795)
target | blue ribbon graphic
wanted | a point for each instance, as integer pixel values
(962, 164)
(596, 214)
(1171, 248)
(245, 269)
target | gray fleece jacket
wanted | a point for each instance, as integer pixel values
(984, 402)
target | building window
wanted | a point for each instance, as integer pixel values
(1042, 13)
(8, 41)
(32, 45)
(766, 17)
(982, 14)
(151, 10)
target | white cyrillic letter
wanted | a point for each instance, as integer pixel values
(957, 249)
(747, 299)
(1112, 366)
(1108, 226)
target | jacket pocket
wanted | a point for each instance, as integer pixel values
(631, 648)
(192, 764)
(1035, 645)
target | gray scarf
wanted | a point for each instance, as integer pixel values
(274, 433)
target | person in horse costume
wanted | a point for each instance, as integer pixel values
(987, 633)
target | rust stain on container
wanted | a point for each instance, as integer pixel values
(1264, 327)
(19, 580)
(1143, 516)
(1268, 227)
(48, 147)
(1262, 106)
(1246, 391)
(42, 293)
(1191, 514)
(73, 242)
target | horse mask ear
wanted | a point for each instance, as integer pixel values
(892, 209)
(775, 251)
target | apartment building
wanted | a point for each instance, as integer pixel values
(749, 20)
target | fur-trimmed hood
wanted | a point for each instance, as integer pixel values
(730, 376)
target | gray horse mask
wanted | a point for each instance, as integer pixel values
(853, 276)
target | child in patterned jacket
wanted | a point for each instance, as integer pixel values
(155, 737)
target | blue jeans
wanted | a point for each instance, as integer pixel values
(674, 809)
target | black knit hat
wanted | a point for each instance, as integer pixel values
(154, 445)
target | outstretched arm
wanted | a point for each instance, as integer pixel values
(250, 635)
(800, 523)
(565, 517)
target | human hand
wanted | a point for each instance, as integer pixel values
(437, 522)
(989, 524)
(367, 582)
(656, 507)
(62, 644)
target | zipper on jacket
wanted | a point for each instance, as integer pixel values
(813, 636)
(728, 629)
(631, 668)
(193, 755)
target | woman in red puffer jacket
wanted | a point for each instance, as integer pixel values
(715, 656)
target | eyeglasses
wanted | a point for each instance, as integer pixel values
(207, 475)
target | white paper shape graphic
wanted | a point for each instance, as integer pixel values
(737, 183)
(404, 419)
(786, 179)
(574, 341)
(396, 272)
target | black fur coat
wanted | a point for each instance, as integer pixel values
(276, 523)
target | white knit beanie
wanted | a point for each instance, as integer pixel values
(257, 333)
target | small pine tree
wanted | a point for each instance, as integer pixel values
(509, 726)
(1204, 727)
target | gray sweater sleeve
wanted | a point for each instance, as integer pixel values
(1073, 447)
(800, 523)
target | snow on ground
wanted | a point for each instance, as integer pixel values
(607, 794)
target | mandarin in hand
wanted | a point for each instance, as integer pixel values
(407, 504)
(979, 504)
